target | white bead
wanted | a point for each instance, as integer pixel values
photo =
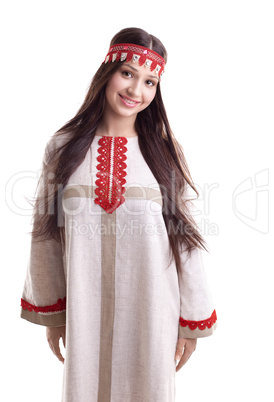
(123, 56)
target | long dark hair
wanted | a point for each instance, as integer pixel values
(163, 154)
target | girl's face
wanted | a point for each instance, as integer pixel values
(130, 90)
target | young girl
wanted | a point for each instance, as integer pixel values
(115, 266)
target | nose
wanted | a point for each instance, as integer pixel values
(135, 89)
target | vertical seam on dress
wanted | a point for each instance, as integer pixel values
(108, 257)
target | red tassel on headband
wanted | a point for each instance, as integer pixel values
(136, 53)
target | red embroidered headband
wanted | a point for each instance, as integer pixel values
(136, 53)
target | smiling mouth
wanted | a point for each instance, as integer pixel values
(129, 101)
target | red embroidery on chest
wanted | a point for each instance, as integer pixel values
(111, 173)
(200, 324)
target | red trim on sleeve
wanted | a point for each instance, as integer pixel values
(200, 324)
(59, 306)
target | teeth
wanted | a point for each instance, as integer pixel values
(128, 101)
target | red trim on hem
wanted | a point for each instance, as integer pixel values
(200, 324)
(59, 306)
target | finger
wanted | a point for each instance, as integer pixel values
(56, 350)
(59, 356)
(184, 358)
(180, 349)
(64, 339)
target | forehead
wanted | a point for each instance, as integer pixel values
(144, 70)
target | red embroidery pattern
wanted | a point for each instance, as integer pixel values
(111, 173)
(200, 324)
(59, 306)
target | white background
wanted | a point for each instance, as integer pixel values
(218, 90)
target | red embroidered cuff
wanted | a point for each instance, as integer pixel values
(199, 324)
(59, 306)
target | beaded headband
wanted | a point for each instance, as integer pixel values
(136, 53)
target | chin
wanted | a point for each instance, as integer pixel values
(128, 113)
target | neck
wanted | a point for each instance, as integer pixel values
(114, 125)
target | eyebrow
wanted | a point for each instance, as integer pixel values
(135, 69)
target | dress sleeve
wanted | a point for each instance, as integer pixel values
(43, 300)
(198, 317)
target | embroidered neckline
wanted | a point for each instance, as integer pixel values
(111, 172)
(109, 136)
(200, 324)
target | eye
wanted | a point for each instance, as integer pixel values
(127, 73)
(150, 83)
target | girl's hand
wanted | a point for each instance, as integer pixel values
(185, 348)
(53, 336)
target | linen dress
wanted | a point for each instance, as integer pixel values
(114, 285)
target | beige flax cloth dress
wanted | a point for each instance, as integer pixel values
(114, 285)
